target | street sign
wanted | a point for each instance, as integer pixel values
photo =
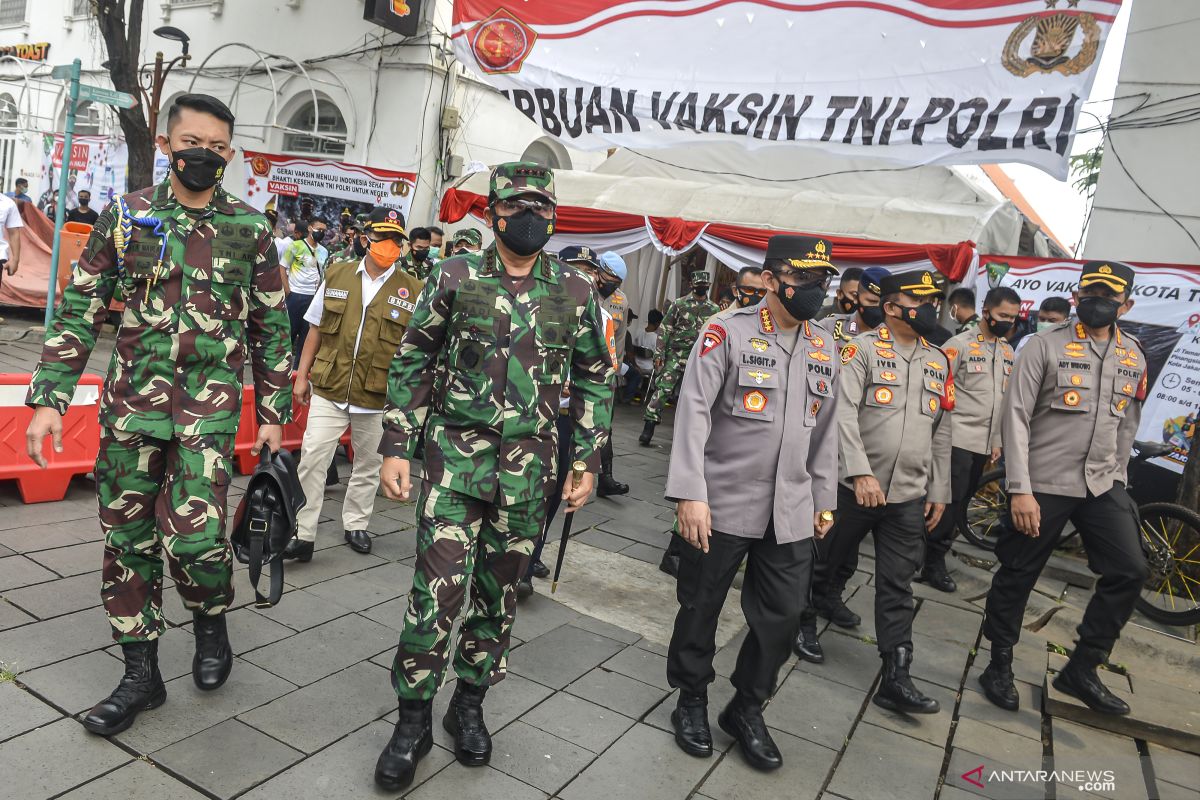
(109, 97)
(62, 72)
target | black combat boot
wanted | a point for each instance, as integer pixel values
(834, 609)
(141, 688)
(997, 679)
(410, 742)
(896, 690)
(935, 574)
(690, 720)
(524, 588)
(647, 434)
(610, 486)
(299, 550)
(214, 656)
(540, 570)
(464, 721)
(1079, 679)
(807, 645)
(743, 720)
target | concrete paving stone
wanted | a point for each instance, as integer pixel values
(323, 712)
(332, 563)
(189, 710)
(312, 654)
(1001, 745)
(354, 592)
(961, 771)
(390, 613)
(1171, 791)
(580, 722)
(642, 665)
(76, 684)
(862, 602)
(931, 728)
(939, 661)
(403, 513)
(645, 552)
(848, 660)
(586, 518)
(78, 505)
(481, 783)
(947, 623)
(18, 571)
(538, 615)
(395, 546)
(815, 709)
(36, 538)
(886, 765)
(137, 780)
(345, 769)
(228, 758)
(719, 695)
(1175, 766)
(805, 767)
(617, 692)
(33, 764)
(644, 763)
(395, 577)
(11, 616)
(652, 646)
(609, 631)
(535, 757)
(506, 702)
(1025, 721)
(249, 631)
(73, 560)
(1078, 747)
(31, 646)
(604, 540)
(55, 598)
(21, 711)
(643, 529)
(300, 610)
(556, 658)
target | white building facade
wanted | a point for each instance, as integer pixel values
(303, 77)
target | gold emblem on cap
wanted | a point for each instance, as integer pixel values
(926, 279)
(1105, 269)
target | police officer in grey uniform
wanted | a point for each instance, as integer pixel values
(753, 470)
(867, 313)
(1069, 420)
(981, 361)
(894, 430)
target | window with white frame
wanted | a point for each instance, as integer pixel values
(326, 119)
(9, 116)
(12, 12)
(81, 8)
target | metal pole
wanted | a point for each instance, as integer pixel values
(64, 170)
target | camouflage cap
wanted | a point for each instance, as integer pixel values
(468, 235)
(700, 277)
(518, 178)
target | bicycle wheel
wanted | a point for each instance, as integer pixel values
(1171, 536)
(979, 517)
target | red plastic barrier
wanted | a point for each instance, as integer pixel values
(81, 443)
(293, 432)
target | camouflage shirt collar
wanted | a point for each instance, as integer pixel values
(491, 266)
(164, 199)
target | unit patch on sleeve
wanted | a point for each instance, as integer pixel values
(713, 336)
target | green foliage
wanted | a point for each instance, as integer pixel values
(1086, 169)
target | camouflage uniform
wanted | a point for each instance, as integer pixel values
(173, 394)
(419, 271)
(680, 329)
(480, 370)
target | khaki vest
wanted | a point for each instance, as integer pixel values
(336, 374)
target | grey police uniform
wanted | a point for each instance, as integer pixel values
(981, 371)
(1069, 420)
(756, 438)
(893, 424)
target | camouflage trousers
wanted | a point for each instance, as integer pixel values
(162, 497)
(665, 388)
(461, 537)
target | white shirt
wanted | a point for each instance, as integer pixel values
(370, 288)
(304, 264)
(647, 340)
(281, 244)
(10, 217)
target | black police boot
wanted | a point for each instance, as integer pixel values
(540, 570)
(410, 742)
(647, 434)
(464, 721)
(609, 486)
(808, 646)
(1079, 679)
(935, 574)
(359, 541)
(331, 475)
(743, 720)
(690, 720)
(896, 690)
(835, 610)
(141, 689)
(299, 550)
(214, 656)
(997, 680)
(524, 588)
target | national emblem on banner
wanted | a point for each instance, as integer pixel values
(501, 43)
(1052, 37)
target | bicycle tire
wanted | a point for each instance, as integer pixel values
(1185, 575)
(979, 518)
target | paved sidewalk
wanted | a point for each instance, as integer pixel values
(584, 712)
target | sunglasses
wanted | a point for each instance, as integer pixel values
(506, 208)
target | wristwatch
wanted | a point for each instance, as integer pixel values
(826, 516)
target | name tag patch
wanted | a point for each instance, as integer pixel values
(396, 301)
(337, 294)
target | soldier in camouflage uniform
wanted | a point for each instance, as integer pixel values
(680, 329)
(202, 291)
(466, 240)
(494, 338)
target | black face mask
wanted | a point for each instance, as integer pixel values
(922, 319)
(419, 256)
(699, 291)
(1097, 312)
(606, 288)
(999, 327)
(750, 297)
(84, 202)
(360, 249)
(197, 168)
(525, 233)
(801, 302)
(872, 315)
(846, 305)
(317, 236)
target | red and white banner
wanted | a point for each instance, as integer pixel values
(97, 163)
(913, 81)
(270, 176)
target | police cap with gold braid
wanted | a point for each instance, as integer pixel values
(1113, 274)
(918, 283)
(801, 252)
